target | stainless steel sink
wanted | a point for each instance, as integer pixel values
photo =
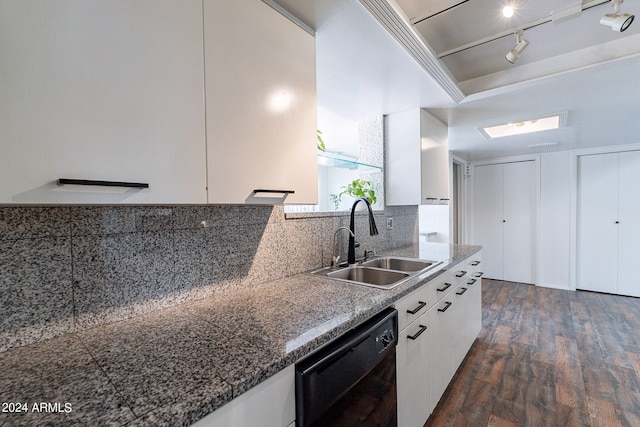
(380, 272)
(370, 276)
(398, 264)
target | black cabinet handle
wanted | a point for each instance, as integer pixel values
(418, 308)
(417, 334)
(444, 288)
(474, 263)
(462, 291)
(67, 181)
(446, 307)
(262, 190)
(461, 273)
(471, 281)
(479, 274)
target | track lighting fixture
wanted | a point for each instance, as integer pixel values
(514, 54)
(616, 21)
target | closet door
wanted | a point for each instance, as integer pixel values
(488, 217)
(597, 228)
(629, 223)
(519, 221)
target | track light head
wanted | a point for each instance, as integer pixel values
(615, 20)
(514, 54)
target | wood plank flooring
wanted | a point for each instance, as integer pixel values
(548, 357)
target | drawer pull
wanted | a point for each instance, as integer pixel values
(462, 291)
(479, 274)
(66, 181)
(446, 307)
(421, 305)
(461, 273)
(444, 288)
(262, 190)
(471, 281)
(417, 334)
(474, 263)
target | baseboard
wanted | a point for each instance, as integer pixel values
(552, 286)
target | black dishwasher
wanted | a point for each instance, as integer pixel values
(352, 380)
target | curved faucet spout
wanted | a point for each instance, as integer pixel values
(373, 229)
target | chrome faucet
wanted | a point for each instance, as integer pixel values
(335, 259)
(373, 230)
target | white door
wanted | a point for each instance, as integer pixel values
(629, 223)
(519, 221)
(488, 217)
(597, 228)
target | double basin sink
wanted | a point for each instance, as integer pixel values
(383, 272)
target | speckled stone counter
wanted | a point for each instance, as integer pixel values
(175, 366)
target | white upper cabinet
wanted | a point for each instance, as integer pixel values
(417, 158)
(261, 105)
(107, 90)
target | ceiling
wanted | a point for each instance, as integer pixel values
(382, 56)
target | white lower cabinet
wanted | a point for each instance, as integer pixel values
(271, 403)
(434, 342)
(413, 360)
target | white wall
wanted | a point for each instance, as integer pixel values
(434, 218)
(554, 235)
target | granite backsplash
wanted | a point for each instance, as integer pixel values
(66, 269)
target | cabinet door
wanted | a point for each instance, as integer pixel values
(441, 369)
(629, 223)
(260, 104)
(101, 90)
(270, 403)
(519, 221)
(488, 217)
(597, 228)
(413, 361)
(402, 156)
(435, 159)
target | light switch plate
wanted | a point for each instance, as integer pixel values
(389, 223)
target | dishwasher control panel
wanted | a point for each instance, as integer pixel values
(384, 340)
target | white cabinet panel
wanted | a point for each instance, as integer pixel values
(413, 362)
(101, 90)
(434, 137)
(417, 159)
(270, 403)
(597, 228)
(261, 104)
(629, 226)
(403, 177)
(488, 207)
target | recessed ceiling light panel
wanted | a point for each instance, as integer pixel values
(555, 121)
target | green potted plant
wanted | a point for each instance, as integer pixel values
(356, 188)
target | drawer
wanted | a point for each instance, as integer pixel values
(439, 287)
(474, 263)
(412, 306)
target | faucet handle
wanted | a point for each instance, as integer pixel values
(369, 254)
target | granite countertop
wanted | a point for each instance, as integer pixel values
(176, 365)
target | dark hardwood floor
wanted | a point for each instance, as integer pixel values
(548, 357)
